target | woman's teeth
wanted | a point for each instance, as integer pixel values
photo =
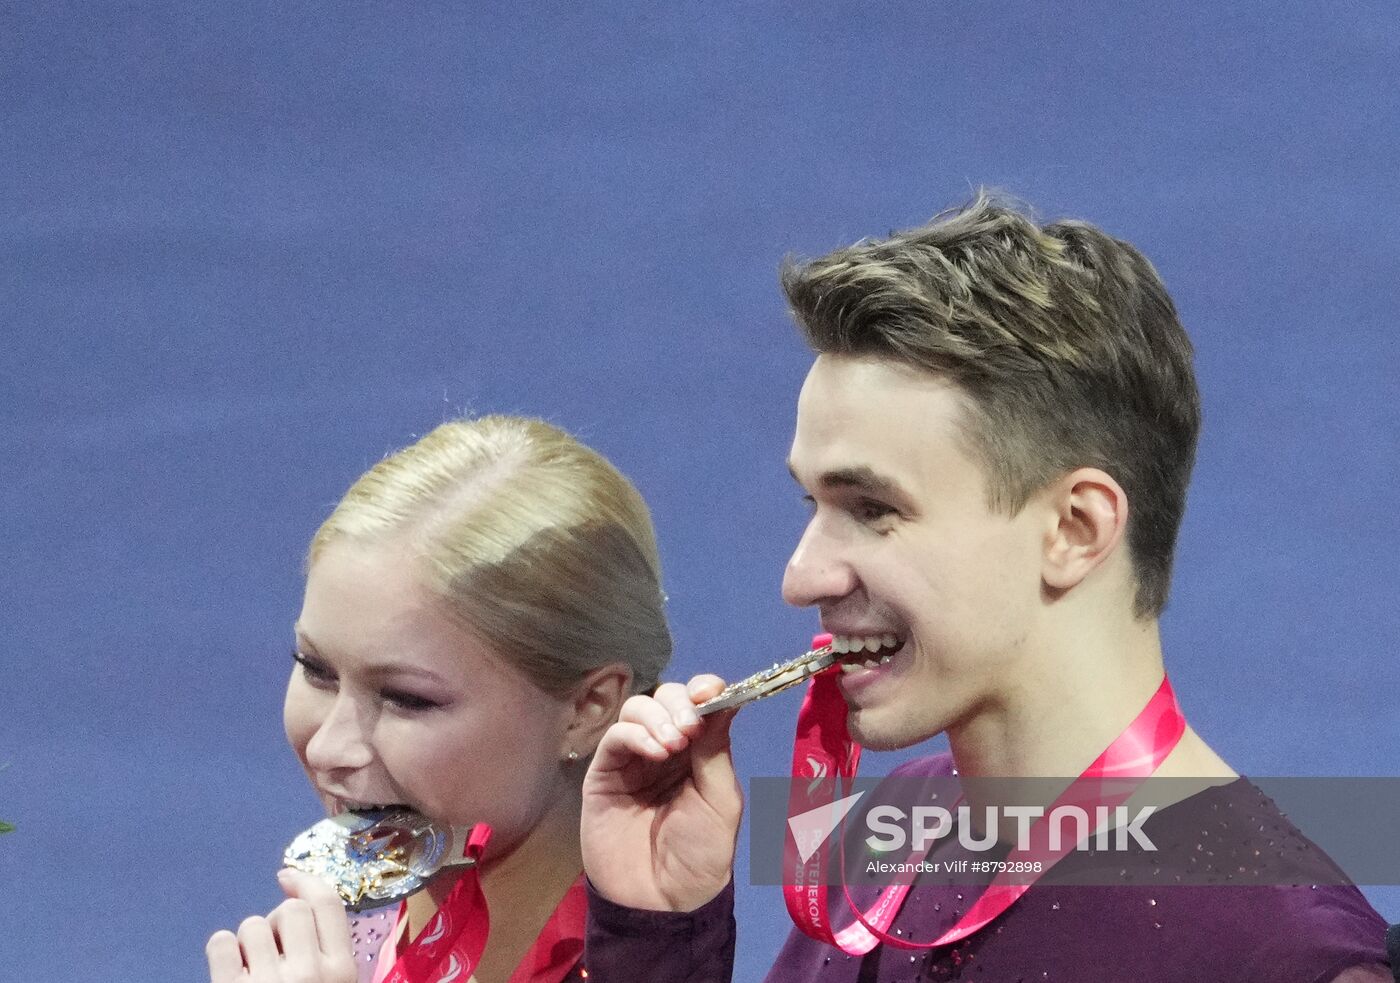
(346, 806)
(879, 648)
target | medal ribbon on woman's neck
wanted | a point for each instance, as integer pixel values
(449, 948)
(824, 757)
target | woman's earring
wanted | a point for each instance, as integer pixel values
(573, 756)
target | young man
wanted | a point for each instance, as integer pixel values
(995, 438)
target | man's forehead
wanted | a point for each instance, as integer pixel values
(856, 398)
(867, 422)
(844, 452)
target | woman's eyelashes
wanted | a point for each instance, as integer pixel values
(408, 701)
(320, 676)
(313, 670)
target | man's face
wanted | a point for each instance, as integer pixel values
(901, 543)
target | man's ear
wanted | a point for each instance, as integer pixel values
(1089, 513)
(597, 699)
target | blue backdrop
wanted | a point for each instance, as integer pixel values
(248, 248)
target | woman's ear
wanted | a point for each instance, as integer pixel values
(1089, 513)
(597, 700)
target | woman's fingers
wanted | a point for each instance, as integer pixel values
(294, 927)
(305, 938)
(259, 947)
(331, 923)
(225, 957)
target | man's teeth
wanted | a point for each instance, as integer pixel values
(873, 644)
(863, 643)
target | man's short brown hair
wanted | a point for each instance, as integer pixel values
(1062, 337)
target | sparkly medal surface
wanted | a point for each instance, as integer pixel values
(374, 857)
(773, 680)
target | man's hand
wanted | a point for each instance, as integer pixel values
(306, 939)
(661, 803)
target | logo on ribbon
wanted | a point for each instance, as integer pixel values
(454, 970)
(438, 930)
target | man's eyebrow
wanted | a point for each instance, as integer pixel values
(858, 479)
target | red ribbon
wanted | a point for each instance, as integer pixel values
(825, 756)
(449, 948)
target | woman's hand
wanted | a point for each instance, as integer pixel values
(306, 939)
(661, 803)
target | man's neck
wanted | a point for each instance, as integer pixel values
(1072, 698)
(1074, 693)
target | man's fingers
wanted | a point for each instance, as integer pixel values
(675, 699)
(656, 718)
(654, 727)
(704, 687)
(225, 958)
(711, 763)
(712, 766)
(623, 744)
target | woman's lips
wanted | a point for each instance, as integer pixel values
(335, 805)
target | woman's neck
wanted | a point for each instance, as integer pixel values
(522, 888)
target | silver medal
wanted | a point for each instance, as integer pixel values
(772, 680)
(375, 857)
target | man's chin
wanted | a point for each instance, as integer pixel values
(875, 732)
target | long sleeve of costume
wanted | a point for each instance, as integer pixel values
(628, 945)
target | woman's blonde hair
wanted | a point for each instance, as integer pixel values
(534, 541)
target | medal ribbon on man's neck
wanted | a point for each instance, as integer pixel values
(825, 760)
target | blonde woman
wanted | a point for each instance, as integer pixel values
(477, 608)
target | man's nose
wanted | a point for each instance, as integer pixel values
(341, 741)
(817, 573)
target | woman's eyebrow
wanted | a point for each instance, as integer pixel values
(387, 669)
(380, 668)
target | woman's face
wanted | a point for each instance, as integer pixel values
(392, 702)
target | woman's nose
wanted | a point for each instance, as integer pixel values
(341, 740)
